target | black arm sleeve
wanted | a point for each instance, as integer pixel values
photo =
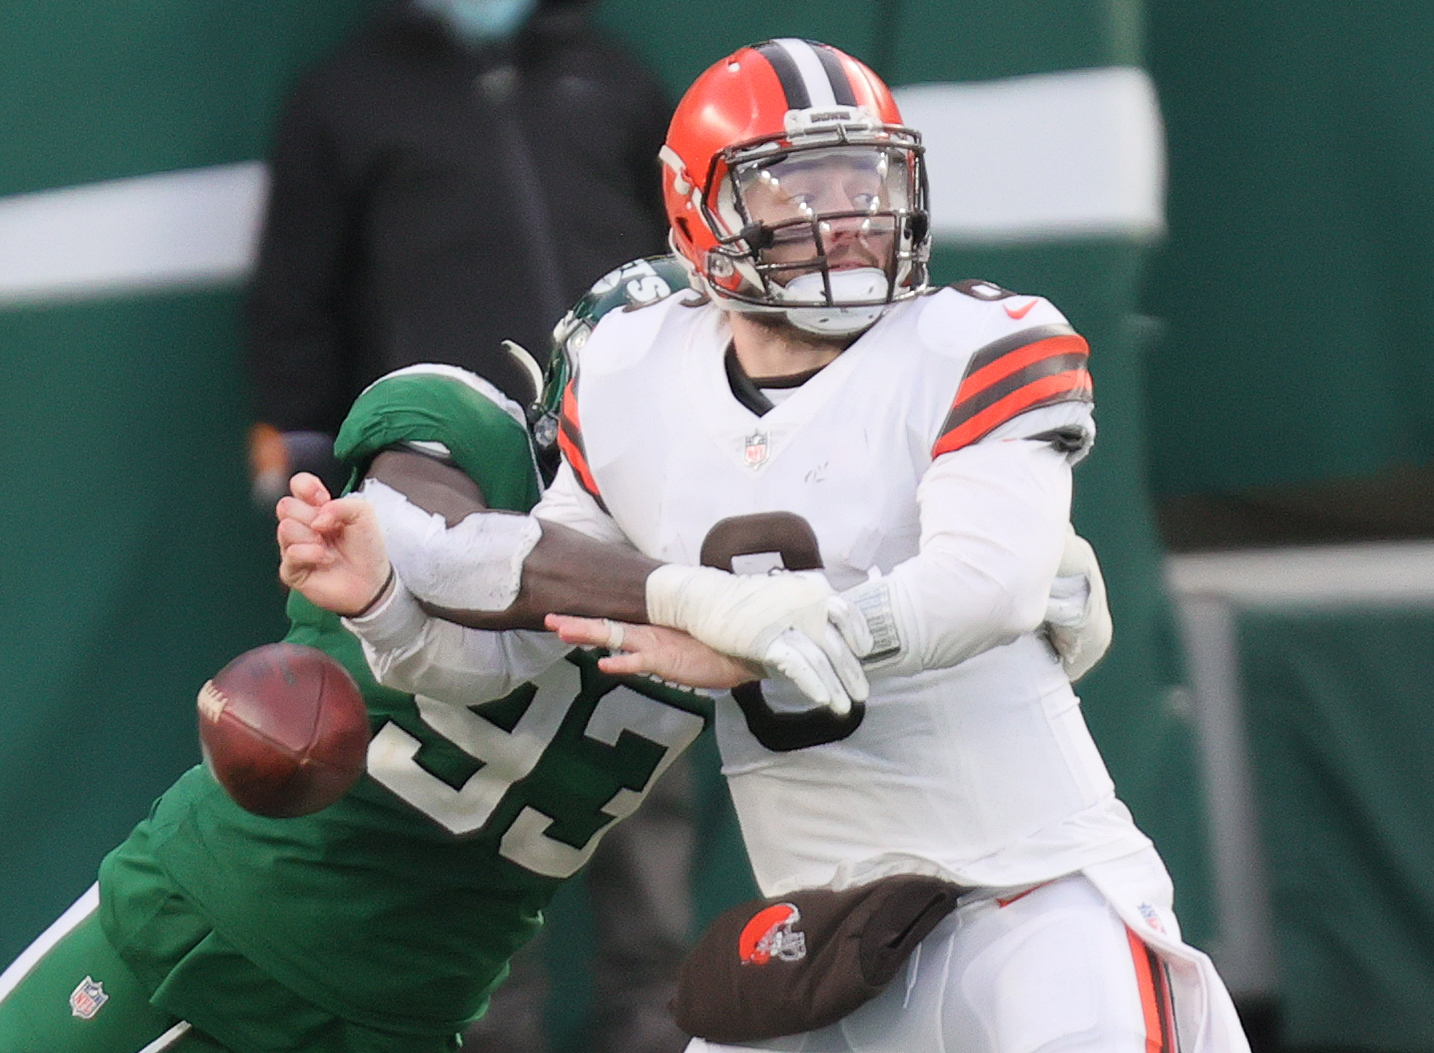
(299, 367)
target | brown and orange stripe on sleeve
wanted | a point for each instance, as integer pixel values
(1035, 367)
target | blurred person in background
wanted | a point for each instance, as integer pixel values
(453, 177)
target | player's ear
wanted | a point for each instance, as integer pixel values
(434, 485)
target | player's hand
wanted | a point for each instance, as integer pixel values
(1078, 621)
(330, 550)
(654, 650)
(782, 620)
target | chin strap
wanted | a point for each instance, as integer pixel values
(810, 312)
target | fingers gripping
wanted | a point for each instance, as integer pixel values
(778, 619)
(1078, 621)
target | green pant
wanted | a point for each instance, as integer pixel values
(69, 992)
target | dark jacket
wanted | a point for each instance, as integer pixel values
(429, 200)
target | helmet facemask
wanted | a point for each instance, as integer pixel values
(828, 229)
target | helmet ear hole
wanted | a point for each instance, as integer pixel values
(683, 229)
(757, 236)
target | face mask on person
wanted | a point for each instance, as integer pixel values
(482, 21)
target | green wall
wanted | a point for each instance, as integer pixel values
(1337, 703)
(1296, 289)
(100, 89)
(132, 567)
(133, 564)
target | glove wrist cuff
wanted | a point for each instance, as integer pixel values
(893, 648)
(873, 602)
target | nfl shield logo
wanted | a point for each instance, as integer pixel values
(85, 1000)
(756, 449)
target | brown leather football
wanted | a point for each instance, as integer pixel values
(284, 730)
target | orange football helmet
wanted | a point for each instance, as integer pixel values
(792, 186)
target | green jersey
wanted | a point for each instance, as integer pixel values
(398, 907)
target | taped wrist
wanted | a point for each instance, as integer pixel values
(737, 614)
(475, 565)
(1069, 603)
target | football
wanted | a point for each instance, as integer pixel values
(284, 730)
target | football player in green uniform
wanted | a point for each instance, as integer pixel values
(382, 923)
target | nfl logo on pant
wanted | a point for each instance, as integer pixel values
(85, 1000)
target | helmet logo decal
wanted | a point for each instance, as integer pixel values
(771, 934)
(680, 180)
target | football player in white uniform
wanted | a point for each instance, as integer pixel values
(887, 469)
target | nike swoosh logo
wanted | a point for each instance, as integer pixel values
(1019, 312)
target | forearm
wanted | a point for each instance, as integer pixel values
(493, 570)
(994, 521)
(503, 571)
(567, 573)
(412, 652)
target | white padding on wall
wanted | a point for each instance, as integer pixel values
(1051, 155)
(198, 226)
(1367, 573)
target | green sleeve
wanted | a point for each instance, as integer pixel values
(486, 438)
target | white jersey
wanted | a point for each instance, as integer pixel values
(935, 451)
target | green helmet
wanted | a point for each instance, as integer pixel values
(631, 285)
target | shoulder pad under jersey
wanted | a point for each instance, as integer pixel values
(1021, 354)
(483, 431)
(636, 284)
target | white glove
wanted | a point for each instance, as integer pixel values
(782, 619)
(1077, 613)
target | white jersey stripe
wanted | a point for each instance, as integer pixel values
(66, 923)
(168, 1039)
(813, 73)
